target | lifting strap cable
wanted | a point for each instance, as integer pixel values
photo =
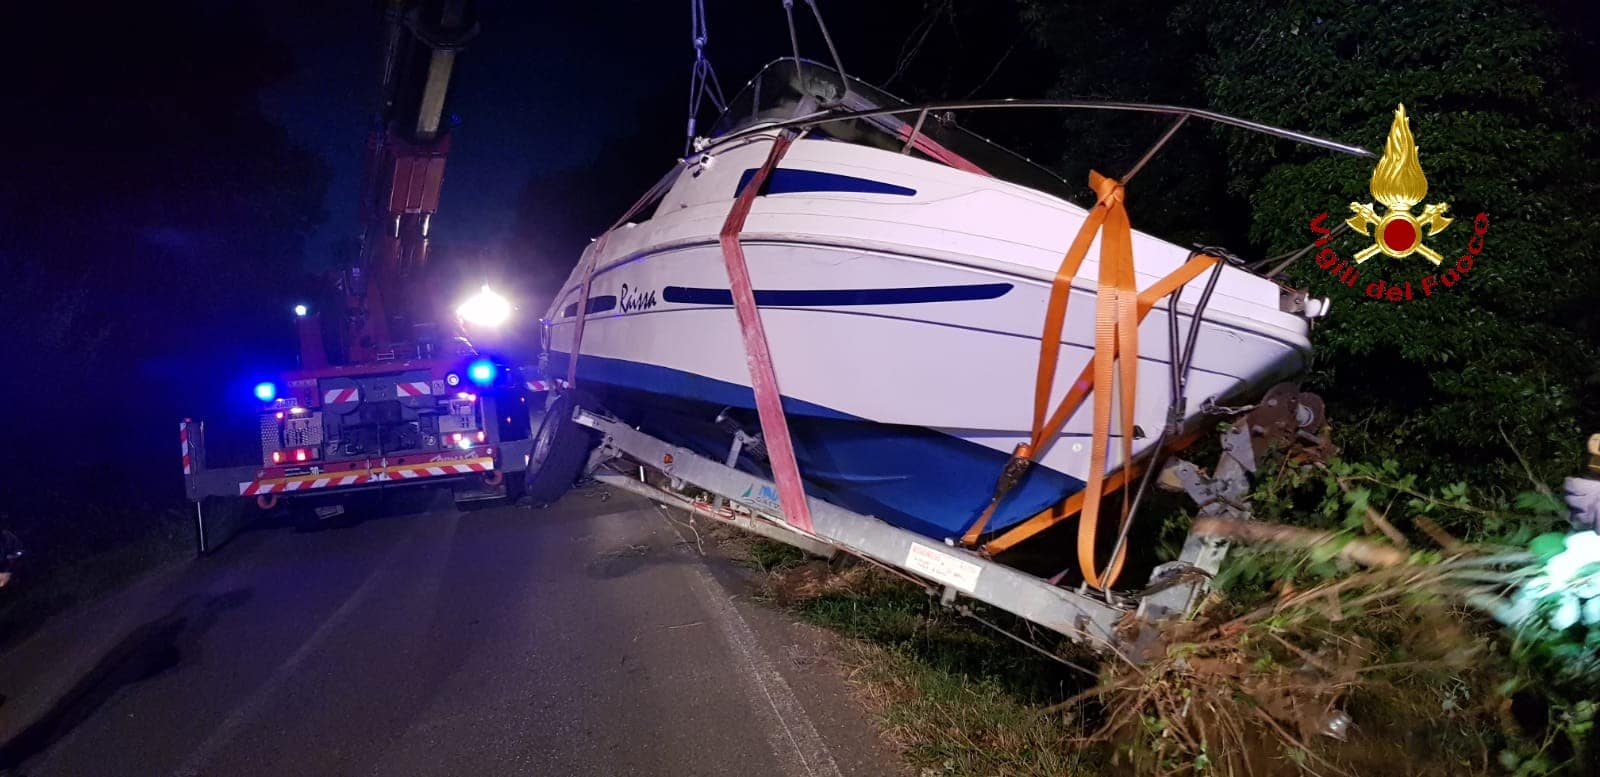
(794, 37)
(763, 378)
(1119, 308)
(703, 82)
(838, 64)
(583, 307)
(595, 256)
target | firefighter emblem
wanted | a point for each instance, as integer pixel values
(1398, 183)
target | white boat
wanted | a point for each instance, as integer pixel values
(903, 293)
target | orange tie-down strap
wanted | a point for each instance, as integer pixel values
(1119, 307)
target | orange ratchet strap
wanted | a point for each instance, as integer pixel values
(763, 378)
(1119, 307)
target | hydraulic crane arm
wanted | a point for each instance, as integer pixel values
(385, 312)
(419, 58)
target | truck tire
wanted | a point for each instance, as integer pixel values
(560, 449)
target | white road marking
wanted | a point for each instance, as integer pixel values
(788, 715)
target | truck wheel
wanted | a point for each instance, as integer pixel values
(560, 449)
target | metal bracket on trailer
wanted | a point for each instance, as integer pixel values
(215, 492)
(1285, 418)
(1075, 615)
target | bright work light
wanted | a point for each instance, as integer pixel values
(301, 310)
(485, 308)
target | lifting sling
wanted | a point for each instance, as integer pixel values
(763, 378)
(583, 308)
(594, 258)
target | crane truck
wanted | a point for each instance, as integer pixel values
(388, 393)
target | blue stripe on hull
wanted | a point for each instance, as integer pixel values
(800, 298)
(786, 180)
(915, 478)
(600, 304)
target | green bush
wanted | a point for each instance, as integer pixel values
(1446, 385)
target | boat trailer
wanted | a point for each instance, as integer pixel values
(1096, 619)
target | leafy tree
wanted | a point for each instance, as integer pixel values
(1439, 383)
(1503, 355)
(1127, 53)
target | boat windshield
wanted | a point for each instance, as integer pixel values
(783, 91)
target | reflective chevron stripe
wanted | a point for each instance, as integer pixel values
(365, 477)
(417, 388)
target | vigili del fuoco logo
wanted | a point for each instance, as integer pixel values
(1399, 185)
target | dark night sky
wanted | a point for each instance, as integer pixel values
(173, 155)
(542, 90)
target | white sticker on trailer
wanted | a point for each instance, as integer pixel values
(943, 567)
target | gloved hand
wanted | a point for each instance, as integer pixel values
(1583, 497)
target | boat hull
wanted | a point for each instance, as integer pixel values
(904, 330)
(913, 477)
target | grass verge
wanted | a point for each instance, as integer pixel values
(953, 699)
(66, 575)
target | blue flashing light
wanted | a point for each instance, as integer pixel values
(481, 372)
(266, 391)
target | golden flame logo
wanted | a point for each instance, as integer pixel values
(1398, 181)
(1399, 184)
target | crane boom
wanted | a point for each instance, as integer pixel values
(385, 316)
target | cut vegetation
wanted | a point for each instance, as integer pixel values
(1320, 653)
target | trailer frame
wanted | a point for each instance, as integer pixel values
(1099, 620)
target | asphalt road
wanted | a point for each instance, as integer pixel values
(585, 639)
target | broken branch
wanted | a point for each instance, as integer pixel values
(1368, 554)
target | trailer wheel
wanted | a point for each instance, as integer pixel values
(560, 449)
